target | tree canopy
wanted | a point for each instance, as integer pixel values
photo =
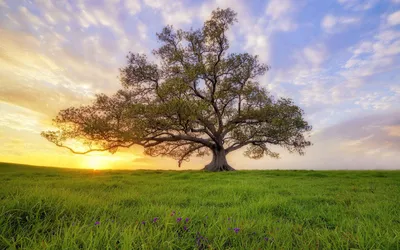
(198, 99)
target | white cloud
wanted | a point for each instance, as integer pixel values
(315, 85)
(285, 25)
(395, 89)
(96, 51)
(13, 20)
(379, 151)
(377, 101)
(133, 6)
(388, 35)
(307, 69)
(87, 19)
(142, 29)
(278, 8)
(321, 92)
(364, 47)
(253, 29)
(173, 13)
(315, 55)
(87, 63)
(31, 18)
(99, 16)
(3, 4)
(20, 119)
(358, 5)
(258, 43)
(363, 68)
(332, 23)
(315, 93)
(156, 4)
(372, 56)
(109, 21)
(49, 19)
(54, 12)
(394, 18)
(328, 22)
(375, 135)
(29, 73)
(279, 12)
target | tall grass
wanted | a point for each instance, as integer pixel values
(49, 208)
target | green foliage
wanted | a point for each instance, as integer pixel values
(50, 208)
(199, 98)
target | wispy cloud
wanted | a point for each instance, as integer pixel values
(133, 6)
(340, 63)
(372, 56)
(3, 4)
(358, 5)
(173, 13)
(332, 23)
(280, 12)
(377, 101)
(394, 18)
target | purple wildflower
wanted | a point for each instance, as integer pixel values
(185, 228)
(143, 222)
(97, 223)
(236, 230)
(179, 219)
(187, 220)
(155, 219)
(266, 239)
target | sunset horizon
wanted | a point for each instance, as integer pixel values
(186, 124)
(340, 65)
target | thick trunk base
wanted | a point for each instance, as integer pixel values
(218, 163)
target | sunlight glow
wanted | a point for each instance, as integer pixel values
(98, 162)
(95, 162)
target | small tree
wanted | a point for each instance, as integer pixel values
(198, 99)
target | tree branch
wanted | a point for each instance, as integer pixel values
(188, 153)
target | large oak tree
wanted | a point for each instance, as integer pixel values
(198, 99)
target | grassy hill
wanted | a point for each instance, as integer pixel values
(51, 208)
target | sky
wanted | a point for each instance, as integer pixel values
(339, 60)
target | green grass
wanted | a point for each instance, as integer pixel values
(50, 208)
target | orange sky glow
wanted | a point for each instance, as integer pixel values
(54, 55)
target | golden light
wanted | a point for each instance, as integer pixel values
(94, 162)
(98, 162)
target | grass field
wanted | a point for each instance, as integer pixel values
(50, 208)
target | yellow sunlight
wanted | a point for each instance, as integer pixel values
(98, 162)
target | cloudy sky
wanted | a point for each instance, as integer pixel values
(338, 59)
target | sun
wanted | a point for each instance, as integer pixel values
(97, 162)
(101, 161)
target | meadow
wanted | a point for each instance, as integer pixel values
(51, 208)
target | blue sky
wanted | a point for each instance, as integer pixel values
(338, 59)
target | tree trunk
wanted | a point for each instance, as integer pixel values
(218, 162)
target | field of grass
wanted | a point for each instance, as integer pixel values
(50, 208)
